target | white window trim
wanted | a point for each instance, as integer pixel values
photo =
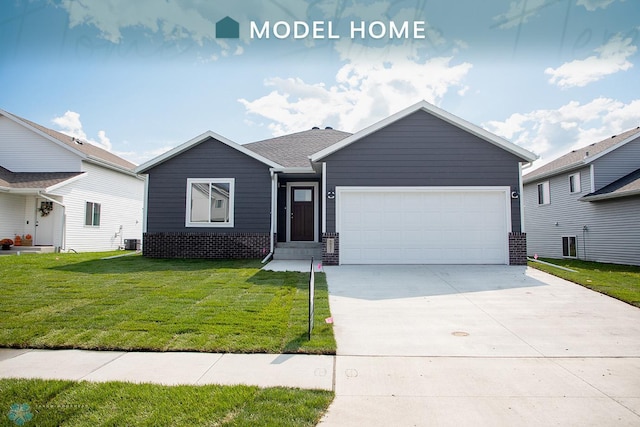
(232, 184)
(576, 180)
(546, 191)
(85, 214)
(575, 239)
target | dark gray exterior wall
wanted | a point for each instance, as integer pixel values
(210, 159)
(422, 150)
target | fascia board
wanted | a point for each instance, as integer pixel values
(66, 182)
(554, 172)
(610, 196)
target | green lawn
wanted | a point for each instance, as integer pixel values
(137, 303)
(618, 281)
(55, 403)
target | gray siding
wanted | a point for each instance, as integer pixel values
(422, 150)
(617, 164)
(613, 226)
(209, 159)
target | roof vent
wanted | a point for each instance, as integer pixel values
(77, 140)
(328, 128)
(586, 154)
(614, 136)
(315, 127)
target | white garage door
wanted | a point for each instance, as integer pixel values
(423, 225)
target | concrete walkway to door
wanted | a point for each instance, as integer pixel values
(479, 345)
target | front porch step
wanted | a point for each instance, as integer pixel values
(298, 250)
(28, 250)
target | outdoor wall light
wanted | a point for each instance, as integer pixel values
(331, 194)
(514, 195)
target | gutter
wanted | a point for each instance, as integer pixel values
(606, 196)
(528, 180)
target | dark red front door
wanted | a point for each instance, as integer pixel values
(302, 219)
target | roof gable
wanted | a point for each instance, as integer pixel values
(145, 167)
(520, 152)
(82, 149)
(583, 156)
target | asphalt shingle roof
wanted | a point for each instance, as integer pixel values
(628, 185)
(294, 150)
(577, 157)
(33, 180)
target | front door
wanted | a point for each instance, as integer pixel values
(44, 222)
(302, 220)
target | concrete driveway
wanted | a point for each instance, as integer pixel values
(479, 345)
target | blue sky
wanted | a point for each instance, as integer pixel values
(140, 77)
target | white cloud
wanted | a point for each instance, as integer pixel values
(592, 5)
(70, 124)
(550, 133)
(611, 58)
(369, 87)
(519, 12)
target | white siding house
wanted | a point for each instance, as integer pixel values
(64, 192)
(586, 204)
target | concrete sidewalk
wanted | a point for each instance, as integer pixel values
(171, 368)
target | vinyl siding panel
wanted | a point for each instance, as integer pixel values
(617, 164)
(121, 200)
(167, 191)
(22, 150)
(12, 213)
(422, 150)
(612, 227)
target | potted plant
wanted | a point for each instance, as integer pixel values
(6, 244)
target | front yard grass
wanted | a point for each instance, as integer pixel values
(55, 403)
(618, 281)
(136, 303)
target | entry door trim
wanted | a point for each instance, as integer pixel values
(315, 207)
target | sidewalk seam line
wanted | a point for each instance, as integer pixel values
(103, 365)
(209, 368)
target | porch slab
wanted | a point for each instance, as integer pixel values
(302, 266)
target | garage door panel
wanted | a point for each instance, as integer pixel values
(423, 226)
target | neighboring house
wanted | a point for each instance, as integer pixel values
(65, 192)
(586, 204)
(421, 186)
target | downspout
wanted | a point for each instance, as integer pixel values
(324, 200)
(521, 198)
(63, 234)
(274, 181)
